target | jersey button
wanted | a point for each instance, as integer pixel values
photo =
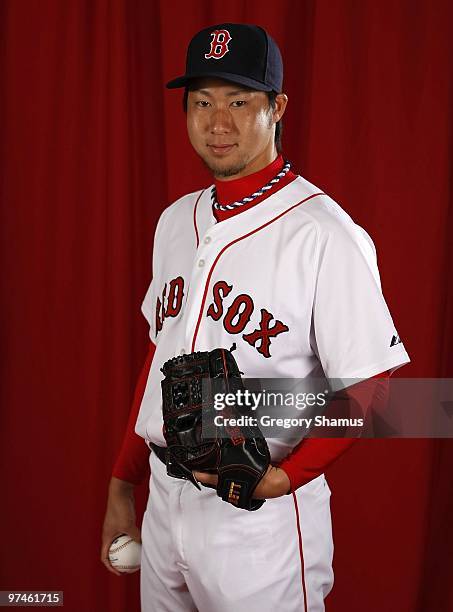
(201, 263)
(207, 240)
(182, 351)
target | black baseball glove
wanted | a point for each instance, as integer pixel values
(239, 455)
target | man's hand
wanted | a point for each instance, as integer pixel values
(274, 483)
(119, 518)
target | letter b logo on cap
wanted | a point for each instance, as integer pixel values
(219, 44)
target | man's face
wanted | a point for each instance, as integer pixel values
(230, 127)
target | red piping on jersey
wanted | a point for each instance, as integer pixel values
(301, 552)
(227, 246)
(195, 217)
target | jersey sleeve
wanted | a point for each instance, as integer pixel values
(149, 309)
(352, 331)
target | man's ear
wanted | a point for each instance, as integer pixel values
(281, 100)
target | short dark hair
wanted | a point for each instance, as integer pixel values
(271, 96)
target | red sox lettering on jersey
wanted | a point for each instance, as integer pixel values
(235, 319)
(219, 44)
(172, 306)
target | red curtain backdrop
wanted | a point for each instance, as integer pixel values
(92, 148)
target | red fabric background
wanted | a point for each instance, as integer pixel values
(92, 148)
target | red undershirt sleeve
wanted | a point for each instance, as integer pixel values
(132, 463)
(312, 456)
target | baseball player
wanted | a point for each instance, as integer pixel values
(264, 259)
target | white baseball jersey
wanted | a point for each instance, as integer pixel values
(292, 281)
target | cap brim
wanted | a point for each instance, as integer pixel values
(182, 81)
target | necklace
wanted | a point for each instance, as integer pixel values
(254, 195)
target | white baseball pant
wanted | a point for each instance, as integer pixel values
(201, 553)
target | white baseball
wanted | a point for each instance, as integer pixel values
(125, 554)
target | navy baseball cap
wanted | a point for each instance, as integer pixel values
(236, 52)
